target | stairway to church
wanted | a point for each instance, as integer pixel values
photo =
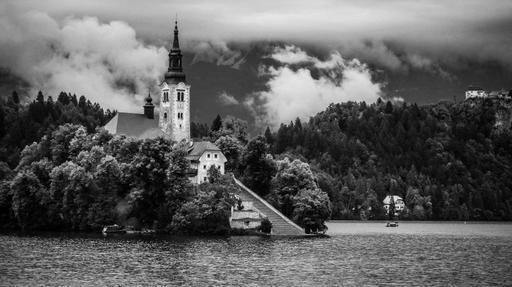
(281, 225)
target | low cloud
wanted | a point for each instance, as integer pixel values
(227, 99)
(294, 92)
(216, 52)
(103, 61)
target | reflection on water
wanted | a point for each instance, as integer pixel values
(358, 253)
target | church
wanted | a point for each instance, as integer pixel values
(172, 120)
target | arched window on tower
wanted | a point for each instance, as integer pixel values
(165, 116)
(180, 97)
(166, 96)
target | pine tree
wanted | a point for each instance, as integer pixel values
(15, 97)
(217, 124)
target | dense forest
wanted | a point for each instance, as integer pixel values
(72, 175)
(448, 161)
(23, 123)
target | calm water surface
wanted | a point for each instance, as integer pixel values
(356, 254)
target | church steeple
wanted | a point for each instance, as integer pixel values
(175, 72)
(149, 108)
(176, 42)
(174, 110)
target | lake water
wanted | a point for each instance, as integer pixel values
(356, 254)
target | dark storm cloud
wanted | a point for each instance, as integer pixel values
(122, 41)
(476, 29)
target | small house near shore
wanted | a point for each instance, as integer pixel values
(397, 200)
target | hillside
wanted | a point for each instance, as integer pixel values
(448, 161)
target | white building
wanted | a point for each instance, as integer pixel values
(399, 203)
(475, 92)
(173, 119)
(202, 156)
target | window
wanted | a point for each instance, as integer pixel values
(204, 178)
(218, 167)
(165, 115)
(180, 96)
(204, 166)
(208, 155)
(215, 155)
(166, 96)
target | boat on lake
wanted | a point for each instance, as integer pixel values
(113, 229)
(392, 224)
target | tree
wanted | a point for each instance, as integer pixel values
(15, 98)
(232, 149)
(40, 97)
(290, 179)
(213, 174)
(2, 121)
(208, 211)
(389, 108)
(392, 209)
(269, 137)
(73, 191)
(146, 175)
(216, 124)
(29, 201)
(257, 167)
(311, 208)
(61, 141)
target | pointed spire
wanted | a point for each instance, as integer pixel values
(176, 42)
(175, 71)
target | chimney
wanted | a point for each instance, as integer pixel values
(149, 108)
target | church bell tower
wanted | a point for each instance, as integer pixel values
(174, 117)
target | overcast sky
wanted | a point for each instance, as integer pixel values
(120, 42)
(473, 27)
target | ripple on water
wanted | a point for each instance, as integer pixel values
(398, 258)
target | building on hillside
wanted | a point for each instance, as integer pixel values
(475, 92)
(202, 156)
(172, 120)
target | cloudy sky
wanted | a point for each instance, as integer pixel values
(267, 61)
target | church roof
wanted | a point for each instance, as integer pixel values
(134, 125)
(198, 148)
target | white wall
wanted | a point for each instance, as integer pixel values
(475, 94)
(178, 129)
(205, 162)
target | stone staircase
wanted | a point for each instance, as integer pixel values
(281, 225)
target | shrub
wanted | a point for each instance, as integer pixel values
(266, 226)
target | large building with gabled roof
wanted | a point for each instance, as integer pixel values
(172, 119)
